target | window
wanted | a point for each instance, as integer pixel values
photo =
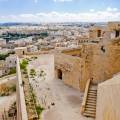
(99, 33)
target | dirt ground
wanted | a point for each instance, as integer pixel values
(67, 102)
(6, 102)
(60, 101)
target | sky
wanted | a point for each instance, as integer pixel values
(38, 11)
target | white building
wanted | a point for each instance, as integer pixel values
(2, 42)
(3, 68)
(11, 61)
(20, 51)
(32, 48)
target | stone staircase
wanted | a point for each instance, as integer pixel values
(90, 107)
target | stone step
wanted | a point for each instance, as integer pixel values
(94, 91)
(90, 109)
(89, 106)
(92, 97)
(92, 104)
(89, 115)
(94, 94)
(91, 101)
(90, 93)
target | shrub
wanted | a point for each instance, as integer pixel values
(23, 64)
(3, 56)
(32, 72)
(39, 110)
(13, 88)
(7, 90)
(42, 73)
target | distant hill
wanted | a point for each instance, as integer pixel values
(18, 24)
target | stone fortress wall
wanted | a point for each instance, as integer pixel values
(108, 97)
(99, 62)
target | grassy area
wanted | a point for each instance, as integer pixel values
(39, 109)
(29, 99)
(34, 110)
(23, 64)
(32, 72)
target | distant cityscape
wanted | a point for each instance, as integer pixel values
(45, 67)
(59, 60)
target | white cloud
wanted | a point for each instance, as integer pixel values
(109, 9)
(111, 14)
(92, 10)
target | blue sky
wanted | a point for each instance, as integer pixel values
(59, 10)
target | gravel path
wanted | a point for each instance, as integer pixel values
(5, 80)
(67, 102)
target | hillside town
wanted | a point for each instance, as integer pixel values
(62, 71)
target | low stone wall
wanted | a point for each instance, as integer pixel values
(73, 52)
(36, 53)
(108, 99)
(21, 106)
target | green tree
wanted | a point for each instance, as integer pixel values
(3, 56)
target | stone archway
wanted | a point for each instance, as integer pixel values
(23, 52)
(117, 34)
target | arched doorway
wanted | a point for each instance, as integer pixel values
(117, 33)
(59, 74)
(23, 52)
